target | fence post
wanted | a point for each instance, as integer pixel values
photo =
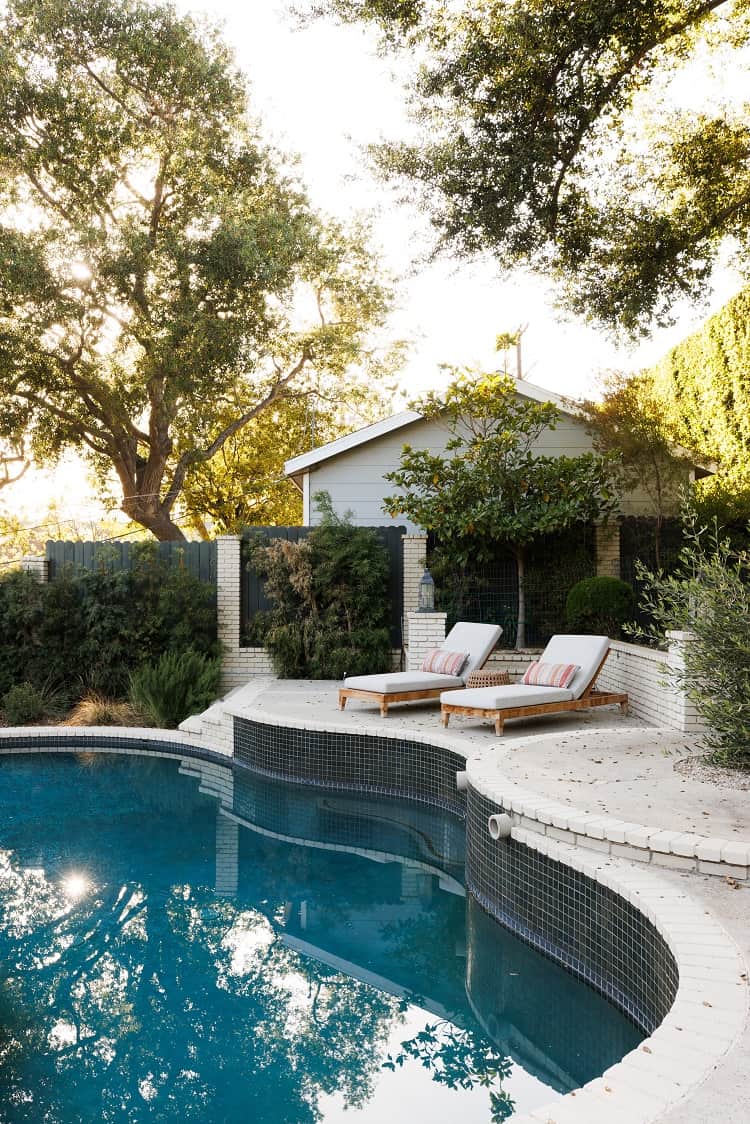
(228, 577)
(685, 715)
(426, 630)
(607, 549)
(415, 552)
(37, 567)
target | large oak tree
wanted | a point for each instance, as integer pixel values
(163, 278)
(549, 138)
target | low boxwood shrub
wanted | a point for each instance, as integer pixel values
(600, 606)
(176, 685)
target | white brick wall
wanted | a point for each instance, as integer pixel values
(38, 567)
(645, 675)
(238, 664)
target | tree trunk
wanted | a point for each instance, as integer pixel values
(521, 627)
(155, 519)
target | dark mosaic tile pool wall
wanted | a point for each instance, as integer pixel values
(379, 766)
(352, 820)
(565, 1051)
(596, 934)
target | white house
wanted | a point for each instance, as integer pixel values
(352, 469)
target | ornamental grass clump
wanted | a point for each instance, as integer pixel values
(176, 685)
(98, 710)
(708, 597)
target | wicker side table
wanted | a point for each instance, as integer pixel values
(484, 678)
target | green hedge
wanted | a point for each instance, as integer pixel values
(600, 606)
(90, 630)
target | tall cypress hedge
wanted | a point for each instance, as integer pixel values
(704, 384)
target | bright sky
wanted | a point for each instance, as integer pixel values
(323, 93)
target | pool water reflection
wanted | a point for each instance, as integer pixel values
(181, 942)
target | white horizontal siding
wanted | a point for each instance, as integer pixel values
(355, 479)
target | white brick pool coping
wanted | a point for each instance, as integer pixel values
(710, 1010)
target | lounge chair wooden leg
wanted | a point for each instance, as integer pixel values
(444, 717)
(624, 707)
(384, 710)
(342, 701)
(498, 726)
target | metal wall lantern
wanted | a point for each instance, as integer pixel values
(426, 593)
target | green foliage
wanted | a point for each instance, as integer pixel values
(544, 138)
(600, 606)
(89, 630)
(175, 281)
(177, 685)
(489, 592)
(330, 600)
(244, 484)
(629, 422)
(22, 704)
(489, 487)
(703, 394)
(708, 596)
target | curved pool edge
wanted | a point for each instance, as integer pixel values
(603, 833)
(710, 1009)
(706, 1019)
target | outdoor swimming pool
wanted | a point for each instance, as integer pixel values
(180, 941)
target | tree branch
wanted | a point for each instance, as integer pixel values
(194, 456)
(607, 91)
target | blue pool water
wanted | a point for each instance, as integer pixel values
(181, 943)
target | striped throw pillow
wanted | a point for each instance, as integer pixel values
(441, 662)
(549, 674)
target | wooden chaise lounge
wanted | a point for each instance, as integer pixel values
(476, 640)
(520, 700)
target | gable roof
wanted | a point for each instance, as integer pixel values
(302, 463)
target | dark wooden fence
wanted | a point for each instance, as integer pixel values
(198, 558)
(254, 598)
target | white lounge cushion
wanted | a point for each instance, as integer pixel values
(392, 682)
(587, 651)
(502, 698)
(476, 639)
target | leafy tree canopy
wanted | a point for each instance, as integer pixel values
(244, 484)
(163, 278)
(490, 486)
(629, 422)
(547, 139)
